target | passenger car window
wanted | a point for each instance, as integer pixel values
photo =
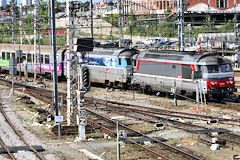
(46, 59)
(23, 57)
(3, 55)
(13, 55)
(8, 56)
(41, 59)
(29, 58)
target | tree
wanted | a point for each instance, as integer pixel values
(228, 27)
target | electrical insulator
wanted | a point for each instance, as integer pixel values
(85, 78)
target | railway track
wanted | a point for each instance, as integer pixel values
(156, 117)
(157, 151)
(166, 150)
(163, 112)
(155, 113)
(6, 148)
(19, 135)
(46, 96)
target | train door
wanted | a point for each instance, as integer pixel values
(29, 62)
(187, 82)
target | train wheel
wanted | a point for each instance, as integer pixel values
(148, 90)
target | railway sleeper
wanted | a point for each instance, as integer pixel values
(21, 148)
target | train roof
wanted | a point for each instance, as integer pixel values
(115, 52)
(29, 48)
(183, 56)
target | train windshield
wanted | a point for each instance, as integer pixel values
(226, 68)
(212, 69)
(217, 68)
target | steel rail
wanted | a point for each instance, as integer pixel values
(177, 123)
(170, 111)
(4, 146)
(16, 131)
(48, 93)
(114, 133)
(154, 139)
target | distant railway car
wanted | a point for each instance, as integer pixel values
(44, 63)
(164, 70)
(111, 66)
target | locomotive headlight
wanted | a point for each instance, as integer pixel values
(213, 83)
(231, 82)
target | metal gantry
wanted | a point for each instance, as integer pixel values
(120, 22)
(180, 5)
(13, 8)
(71, 72)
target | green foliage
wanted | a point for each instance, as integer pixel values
(131, 17)
(228, 27)
(169, 10)
(206, 27)
(111, 37)
(85, 6)
(166, 28)
(112, 19)
(28, 21)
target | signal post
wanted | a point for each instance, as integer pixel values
(82, 45)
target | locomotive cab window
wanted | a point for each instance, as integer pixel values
(119, 61)
(134, 62)
(8, 56)
(46, 59)
(3, 55)
(226, 68)
(129, 62)
(211, 69)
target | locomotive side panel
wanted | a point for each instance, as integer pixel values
(110, 67)
(163, 76)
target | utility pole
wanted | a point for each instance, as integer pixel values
(91, 17)
(54, 58)
(13, 21)
(36, 39)
(237, 36)
(180, 5)
(120, 22)
(49, 22)
(69, 101)
(118, 143)
(20, 23)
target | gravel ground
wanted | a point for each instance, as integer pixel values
(11, 139)
(138, 99)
